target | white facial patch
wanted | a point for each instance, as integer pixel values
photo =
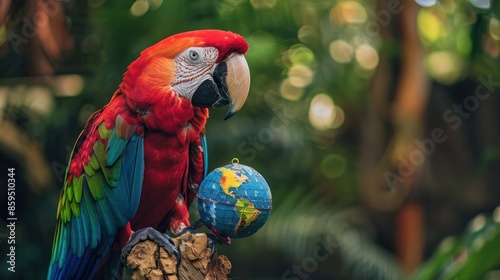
(192, 67)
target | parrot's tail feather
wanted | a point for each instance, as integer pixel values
(83, 267)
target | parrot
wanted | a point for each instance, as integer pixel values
(139, 161)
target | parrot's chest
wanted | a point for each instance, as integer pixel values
(166, 161)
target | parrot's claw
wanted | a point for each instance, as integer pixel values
(192, 228)
(149, 233)
(211, 243)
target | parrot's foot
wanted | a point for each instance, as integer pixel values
(218, 238)
(192, 228)
(150, 233)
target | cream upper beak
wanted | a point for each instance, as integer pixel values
(238, 83)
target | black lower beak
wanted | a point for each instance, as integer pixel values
(213, 93)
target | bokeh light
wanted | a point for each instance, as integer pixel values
(491, 46)
(39, 99)
(444, 66)
(426, 3)
(348, 12)
(339, 117)
(429, 25)
(482, 4)
(494, 28)
(68, 85)
(289, 91)
(496, 215)
(477, 223)
(139, 8)
(341, 51)
(333, 166)
(367, 56)
(301, 55)
(155, 4)
(322, 112)
(307, 33)
(300, 76)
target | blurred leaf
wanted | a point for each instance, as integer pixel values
(470, 257)
(434, 266)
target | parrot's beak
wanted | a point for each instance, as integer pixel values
(238, 83)
(230, 86)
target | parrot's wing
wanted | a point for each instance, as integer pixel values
(101, 199)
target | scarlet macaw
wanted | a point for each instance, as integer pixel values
(140, 159)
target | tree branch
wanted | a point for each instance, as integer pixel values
(147, 260)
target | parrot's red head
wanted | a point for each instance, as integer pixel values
(206, 67)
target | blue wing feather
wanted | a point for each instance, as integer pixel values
(115, 148)
(205, 154)
(87, 255)
(95, 227)
(134, 159)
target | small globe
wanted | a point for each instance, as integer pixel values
(235, 200)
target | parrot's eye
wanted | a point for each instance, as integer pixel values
(193, 55)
